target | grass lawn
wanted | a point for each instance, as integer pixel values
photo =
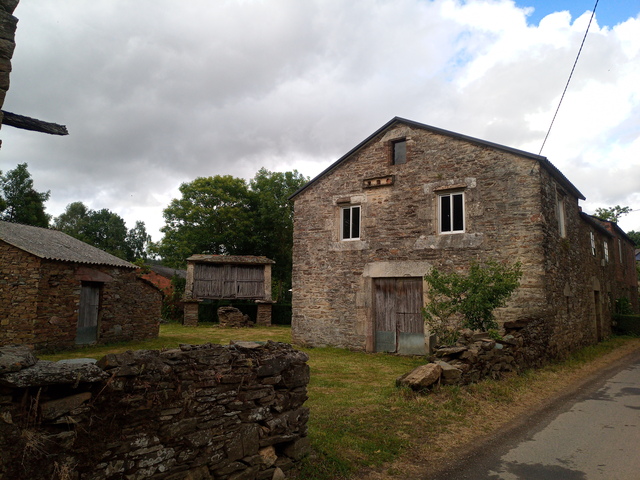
(360, 422)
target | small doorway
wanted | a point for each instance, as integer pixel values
(399, 327)
(87, 331)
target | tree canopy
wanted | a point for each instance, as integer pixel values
(612, 214)
(105, 230)
(227, 215)
(19, 201)
(635, 237)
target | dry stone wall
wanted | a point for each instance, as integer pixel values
(197, 412)
(476, 356)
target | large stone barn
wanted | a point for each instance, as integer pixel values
(411, 197)
(57, 292)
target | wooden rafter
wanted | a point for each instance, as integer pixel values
(28, 123)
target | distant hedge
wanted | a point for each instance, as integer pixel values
(627, 324)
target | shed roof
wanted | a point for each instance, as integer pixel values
(230, 259)
(55, 245)
(544, 162)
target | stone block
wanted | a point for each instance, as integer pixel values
(420, 377)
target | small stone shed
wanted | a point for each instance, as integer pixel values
(228, 277)
(56, 291)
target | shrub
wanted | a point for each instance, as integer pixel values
(468, 301)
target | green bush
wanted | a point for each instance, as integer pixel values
(627, 324)
(471, 298)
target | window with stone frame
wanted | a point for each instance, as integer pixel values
(605, 249)
(562, 228)
(620, 250)
(399, 152)
(350, 222)
(451, 212)
(592, 239)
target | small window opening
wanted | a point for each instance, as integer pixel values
(350, 225)
(399, 152)
(452, 212)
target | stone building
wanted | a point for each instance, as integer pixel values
(411, 197)
(56, 291)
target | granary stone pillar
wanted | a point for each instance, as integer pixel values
(263, 317)
(190, 312)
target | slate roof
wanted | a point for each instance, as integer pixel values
(55, 245)
(544, 162)
(236, 259)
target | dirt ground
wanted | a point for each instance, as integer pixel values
(457, 443)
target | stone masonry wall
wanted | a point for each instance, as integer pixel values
(8, 24)
(19, 283)
(198, 412)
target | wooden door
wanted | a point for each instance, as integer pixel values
(399, 326)
(87, 331)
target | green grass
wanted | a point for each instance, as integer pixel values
(359, 419)
(173, 334)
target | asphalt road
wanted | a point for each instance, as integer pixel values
(593, 433)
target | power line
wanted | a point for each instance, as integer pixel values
(569, 80)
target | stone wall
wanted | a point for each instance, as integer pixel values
(476, 356)
(19, 282)
(39, 301)
(198, 412)
(8, 24)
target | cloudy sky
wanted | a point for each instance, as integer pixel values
(158, 92)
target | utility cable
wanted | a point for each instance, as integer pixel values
(569, 80)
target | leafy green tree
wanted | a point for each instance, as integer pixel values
(105, 230)
(635, 237)
(72, 220)
(612, 214)
(272, 214)
(137, 241)
(21, 203)
(225, 215)
(211, 217)
(474, 296)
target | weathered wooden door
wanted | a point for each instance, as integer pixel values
(87, 331)
(399, 326)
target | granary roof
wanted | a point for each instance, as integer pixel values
(544, 162)
(55, 245)
(230, 259)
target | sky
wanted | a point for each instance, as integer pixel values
(158, 92)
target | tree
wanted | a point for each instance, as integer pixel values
(635, 237)
(137, 241)
(211, 217)
(612, 214)
(272, 214)
(225, 215)
(72, 220)
(21, 203)
(105, 230)
(474, 297)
